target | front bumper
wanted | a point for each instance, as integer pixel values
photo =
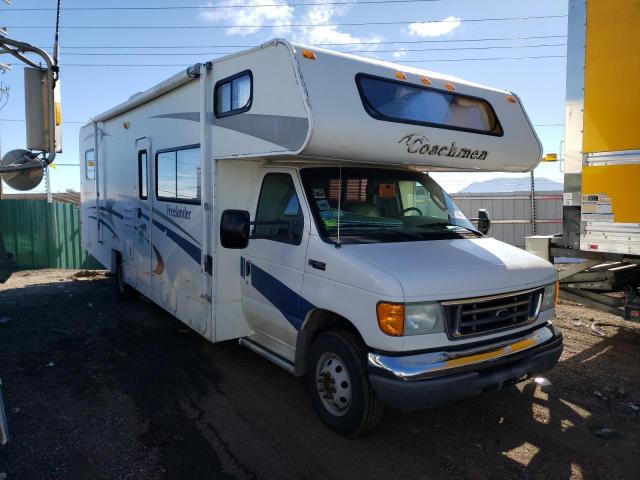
(428, 380)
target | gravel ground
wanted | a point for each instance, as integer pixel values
(97, 387)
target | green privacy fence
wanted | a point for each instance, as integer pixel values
(43, 235)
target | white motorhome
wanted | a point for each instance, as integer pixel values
(278, 196)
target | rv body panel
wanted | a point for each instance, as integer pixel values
(241, 133)
(343, 128)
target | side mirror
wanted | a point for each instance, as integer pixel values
(484, 222)
(234, 229)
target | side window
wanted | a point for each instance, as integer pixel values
(234, 94)
(278, 216)
(143, 177)
(90, 164)
(178, 175)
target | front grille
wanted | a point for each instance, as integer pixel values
(475, 316)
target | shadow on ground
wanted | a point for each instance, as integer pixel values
(99, 387)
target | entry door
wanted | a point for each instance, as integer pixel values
(142, 246)
(273, 264)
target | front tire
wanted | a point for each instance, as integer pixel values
(339, 385)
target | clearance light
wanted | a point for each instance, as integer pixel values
(309, 55)
(425, 81)
(511, 99)
(557, 291)
(58, 109)
(401, 75)
(449, 86)
(391, 318)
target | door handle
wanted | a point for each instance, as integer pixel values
(247, 268)
(139, 212)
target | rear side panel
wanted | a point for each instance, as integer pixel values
(611, 144)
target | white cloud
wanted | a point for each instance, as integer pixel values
(251, 17)
(435, 29)
(321, 15)
(398, 54)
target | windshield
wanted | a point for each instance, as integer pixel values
(380, 205)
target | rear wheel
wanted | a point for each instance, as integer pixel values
(124, 289)
(339, 385)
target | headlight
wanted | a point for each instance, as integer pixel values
(549, 297)
(422, 318)
(398, 319)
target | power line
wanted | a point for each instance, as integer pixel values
(451, 40)
(340, 51)
(220, 7)
(85, 121)
(477, 59)
(130, 65)
(291, 25)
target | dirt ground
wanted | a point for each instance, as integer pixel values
(97, 387)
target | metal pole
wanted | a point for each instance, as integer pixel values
(533, 204)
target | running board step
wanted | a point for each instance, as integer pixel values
(268, 354)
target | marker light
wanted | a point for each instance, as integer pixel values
(511, 99)
(401, 75)
(449, 86)
(425, 81)
(58, 110)
(391, 318)
(308, 54)
(557, 291)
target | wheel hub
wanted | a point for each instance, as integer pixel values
(333, 384)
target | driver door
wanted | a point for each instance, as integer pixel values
(273, 263)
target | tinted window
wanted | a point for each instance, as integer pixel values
(178, 175)
(233, 95)
(402, 102)
(278, 215)
(143, 179)
(90, 164)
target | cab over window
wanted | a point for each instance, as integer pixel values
(278, 216)
(234, 94)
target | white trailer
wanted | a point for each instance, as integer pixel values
(278, 196)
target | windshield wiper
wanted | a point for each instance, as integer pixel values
(446, 224)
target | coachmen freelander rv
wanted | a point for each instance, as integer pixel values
(278, 196)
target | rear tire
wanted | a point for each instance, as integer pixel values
(125, 290)
(338, 383)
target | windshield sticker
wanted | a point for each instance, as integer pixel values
(419, 144)
(386, 190)
(323, 205)
(319, 193)
(457, 213)
(326, 214)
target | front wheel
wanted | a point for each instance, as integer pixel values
(339, 385)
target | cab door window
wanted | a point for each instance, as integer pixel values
(278, 216)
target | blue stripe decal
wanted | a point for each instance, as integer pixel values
(110, 210)
(192, 250)
(290, 304)
(106, 225)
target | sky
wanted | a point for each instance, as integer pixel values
(111, 53)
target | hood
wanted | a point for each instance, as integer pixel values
(460, 268)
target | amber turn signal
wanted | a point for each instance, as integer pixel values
(391, 318)
(309, 54)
